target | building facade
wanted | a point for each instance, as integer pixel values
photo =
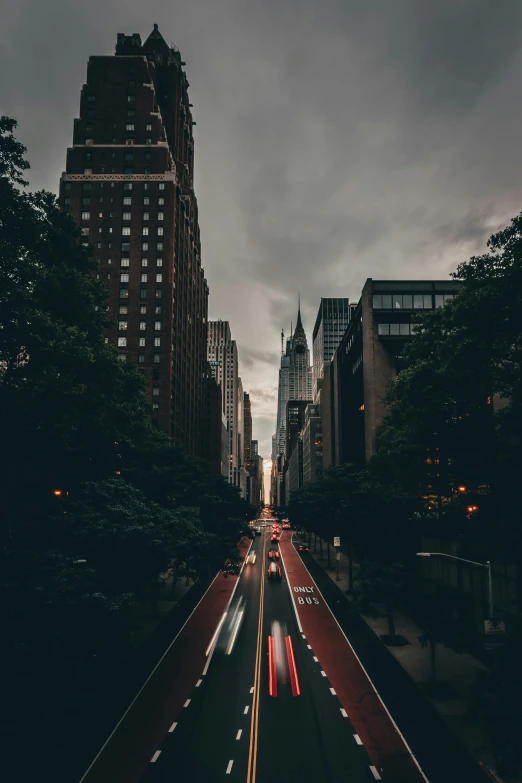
(222, 357)
(129, 185)
(331, 323)
(312, 439)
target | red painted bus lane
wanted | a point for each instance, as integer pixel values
(372, 722)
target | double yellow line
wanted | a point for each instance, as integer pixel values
(254, 723)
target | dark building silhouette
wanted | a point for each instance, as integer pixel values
(129, 185)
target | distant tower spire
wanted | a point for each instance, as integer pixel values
(298, 302)
(282, 340)
(291, 331)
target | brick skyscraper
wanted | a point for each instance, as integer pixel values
(129, 185)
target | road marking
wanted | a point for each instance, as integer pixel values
(308, 646)
(316, 659)
(245, 710)
(229, 768)
(187, 703)
(155, 757)
(304, 637)
(323, 674)
(357, 739)
(198, 683)
(370, 681)
(292, 600)
(172, 727)
(333, 692)
(238, 735)
(344, 713)
(252, 689)
(375, 773)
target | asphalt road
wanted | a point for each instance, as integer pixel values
(232, 728)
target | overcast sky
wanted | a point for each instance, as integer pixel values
(336, 140)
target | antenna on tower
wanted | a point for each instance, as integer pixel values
(291, 328)
(298, 302)
(282, 340)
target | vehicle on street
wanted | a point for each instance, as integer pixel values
(274, 572)
(300, 546)
(273, 555)
(274, 538)
(286, 525)
(251, 558)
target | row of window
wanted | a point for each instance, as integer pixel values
(122, 326)
(125, 246)
(396, 330)
(409, 301)
(123, 310)
(122, 343)
(126, 185)
(124, 293)
(125, 215)
(144, 262)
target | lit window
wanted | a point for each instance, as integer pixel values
(146, 215)
(146, 201)
(159, 262)
(155, 406)
(161, 200)
(143, 326)
(87, 171)
(160, 231)
(123, 309)
(122, 326)
(141, 358)
(124, 262)
(142, 342)
(89, 142)
(161, 186)
(159, 278)
(126, 216)
(125, 232)
(145, 246)
(124, 293)
(144, 262)
(108, 275)
(122, 342)
(155, 391)
(129, 127)
(144, 277)
(124, 277)
(160, 215)
(157, 342)
(146, 186)
(158, 293)
(145, 231)
(148, 126)
(86, 215)
(157, 326)
(157, 310)
(156, 358)
(85, 231)
(159, 246)
(143, 309)
(127, 202)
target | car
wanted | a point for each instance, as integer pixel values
(273, 538)
(251, 558)
(273, 555)
(286, 526)
(300, 546)
(274, 571)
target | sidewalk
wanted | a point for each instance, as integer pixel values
(458, 673)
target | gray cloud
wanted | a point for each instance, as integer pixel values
(336, 140)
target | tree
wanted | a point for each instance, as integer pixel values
(439, 618)
(381, 584)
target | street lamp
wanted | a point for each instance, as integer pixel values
(487, 565)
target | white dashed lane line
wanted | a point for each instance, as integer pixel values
(308, 646)
(172, 727)
(252, 690)
(155, 757)
(357, 739)
(238, 735)
(333, 692)
(375, 773)
(316, 659)
(229, 768)
(323, 674)
(198, 683)
(344, 713)
(245, 710)
(187, 703)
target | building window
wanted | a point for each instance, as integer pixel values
(125, 232)
(148, 140)
(157, 342)
(146, 171)
(143, 293)
(142, 342)
(108, 275)
(89, 142)
(123, 309)
(67, 185)
(124, 277)
(441, 299)
(87, 171)
(127, 186)
(161, 186)
(125, 247)
(131, 98)
(86, 201)
(86, 215)
(143, 309)
(144, 277)
(129, 156)
(148, 126)
(141, 358)
(143, 326)
(124, 262)
(124, 293)
(160, 215)
(145, 246)
(122, 326)
(158, 293)
(126, 216)
(159, 247)
(91, 98)
(160, 231)
(122, 342)
(157, 326)
(146, 186)
(161, 201)
(159, 278)
(145, 231)
(128, 171)
(159, 262)
(155, 391)
(85, 231)
(157, 310)
(129, 126)
(156, 358)
(127, 201)
(144, 262)
(146, 215)
(131, 113)
(155, 406)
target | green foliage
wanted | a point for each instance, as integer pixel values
(378, 585)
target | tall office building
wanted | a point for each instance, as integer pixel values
(330, 325)
(222, 357)
(129, 185)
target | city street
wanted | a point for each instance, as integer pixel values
(268, 710)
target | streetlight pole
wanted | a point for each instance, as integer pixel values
(471, 562)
